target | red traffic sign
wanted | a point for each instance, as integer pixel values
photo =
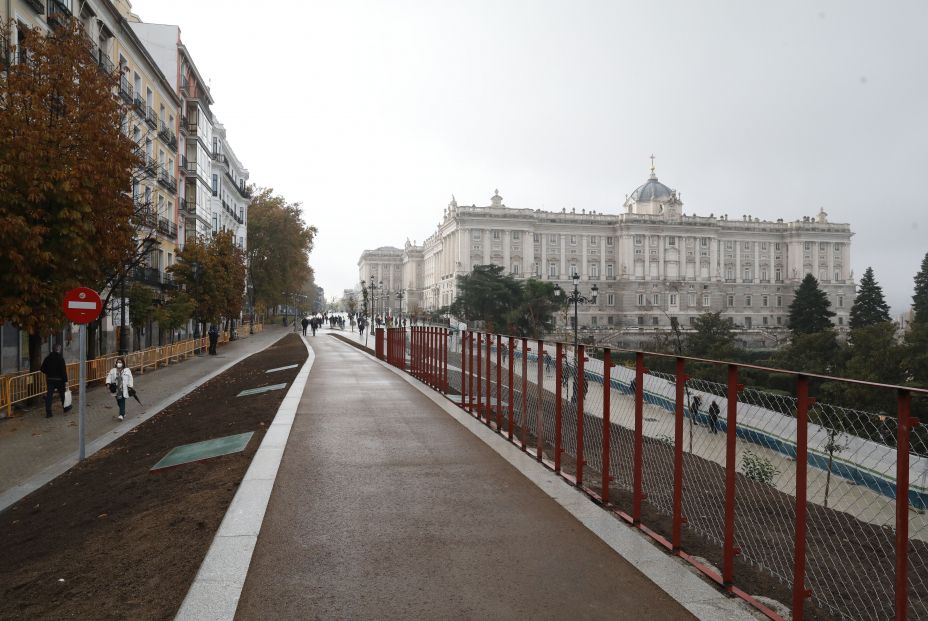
(82, 305)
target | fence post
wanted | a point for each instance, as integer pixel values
(445, 344)
(677, 527)
(489, 410)
(378, 343)
(800, 593)
(8, 391)
(579, 389)
(637, 492)
(558, 377)
(512, 392)
(464, 337)
(524, 393)
(499, 383)
(540, 405)
(479, 373)
(729, 550)
(904, 427)
(607, 424)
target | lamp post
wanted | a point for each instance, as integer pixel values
(575, 298)
(399, 297)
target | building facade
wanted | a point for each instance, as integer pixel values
(230, 193)
(651, 262)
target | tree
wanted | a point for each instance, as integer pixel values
(713, 337)
(809, 314)
(279, 244)
(869, 306)
(487, 295)
(141, 308)
(175, 313)
(212, 273)
(534, 313)
(818, 352)
(873, 355)
(920, 299)
(65, 216)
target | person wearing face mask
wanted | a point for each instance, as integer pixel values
(119, 381)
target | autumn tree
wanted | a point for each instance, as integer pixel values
(212, 273)
(65, 216)
(279, 243)
(869, 306)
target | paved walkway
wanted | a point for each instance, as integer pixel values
(385, 507)
(31, 444)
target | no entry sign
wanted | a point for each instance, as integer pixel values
(82, 305)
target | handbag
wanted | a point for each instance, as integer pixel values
(67, 399)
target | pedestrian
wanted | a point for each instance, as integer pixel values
(714, 412)
(695, 402)
(56, 377)
(119, 381)
(505, 352)
(313, 322)
(213, 339)
(547, 362)
(632, 387)
(305, 323)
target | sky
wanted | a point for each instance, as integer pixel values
(372, 114)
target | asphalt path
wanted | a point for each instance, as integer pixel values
(385, 508)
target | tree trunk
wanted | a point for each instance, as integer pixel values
(35, 352)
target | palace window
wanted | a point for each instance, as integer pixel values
(552, 239)
(475, 236)
(673, 299)
(594, 270)
(515, 235)
(747, 300)
(729, 245)
(594, 240)
(840, 301)
(778, 274)
(671, 241)
(573, 240)
(641, 321)
(609, 240)
(765, 301)
(496, 235)
(515, 268)
(552, 270)
(747, 245)
(654, 321)
(640, 299)
(610, 270)
(776, 246)
(779, 301)
(639, 240)
(536, 237)
(610, 299)
(807, 246)
(655, 299)
(704, 242)
(705, 300)
(691, 299)
(730, 301)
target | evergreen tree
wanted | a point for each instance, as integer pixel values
(920, 299)
(809, 314)
(869, 306)
(713, 337)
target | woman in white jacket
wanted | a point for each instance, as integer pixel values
(119, 381)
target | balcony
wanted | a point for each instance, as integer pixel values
(125, 90)
(166, 179)
(183, 164)
(245, 192)
(139, 104)
(219, 158)
(183, 124)
(37, 5)
(150, 166)
(58, 13)
(146, 216)
(167, 136)
(190, 205)
(190, 166)
(167, 228)
(151, 118)
(192, 127)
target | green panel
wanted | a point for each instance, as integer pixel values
(198, 451)
(256, 391)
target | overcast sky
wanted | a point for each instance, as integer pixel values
(373, 113)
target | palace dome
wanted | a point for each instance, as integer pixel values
(652, 191)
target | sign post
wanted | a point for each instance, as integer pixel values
(81, 306)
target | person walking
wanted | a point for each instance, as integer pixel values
(213, 339)
(56, 377)
(313, 323)
(714, 412)
(305, 323)
(548, 361)
(695, 402)
(119, 381)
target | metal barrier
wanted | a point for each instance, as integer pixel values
(828, 500)
(23, 386)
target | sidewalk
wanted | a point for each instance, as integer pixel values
(34, 448)
(386, 507)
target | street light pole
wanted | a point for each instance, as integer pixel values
(576, 299)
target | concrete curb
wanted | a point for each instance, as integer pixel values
(672, 575)
(218, 585)
(20, 491)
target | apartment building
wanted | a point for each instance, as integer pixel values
(231, 195)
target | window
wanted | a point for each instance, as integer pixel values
(496, 235)
(691, 299)
(538, 269)
(594, 270)
(776, 246)
(778, 274)
(692, 321)
(704, 242)
(837, 247)
(730, 301)
(779, 301)
(610, 270)
(594, 240)
(573, 269)
(747, 245)
(705, 300)
(729, 245)
(552, 270)
(840, 301)
(639, 240)
(515, 235)
(763, 246)
(215, 184)
(573, 240)
(641, 321)
(475, 235)
(747, 322)
(655, 299)
(654, 321)
(215, 222)
(640, 299)
(610, 299)
(671, 241)
(149, 98)
(536, 237)
(837, 275)
(729, 273)
(747, 300)
(765, 301)
(515, 268)
(763, 273)
(609, 240)
(673, 299)
(779, 321)
(766, 322)
(639, 252)
(592, 321)
(610, 320)
(808, 246)
(747, 272)
(161, 114)
(552, 239)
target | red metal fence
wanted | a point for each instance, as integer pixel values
(769, 491)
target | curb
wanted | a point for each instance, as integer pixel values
(16, 493)
(218, 584)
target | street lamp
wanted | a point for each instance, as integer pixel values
(575, 298)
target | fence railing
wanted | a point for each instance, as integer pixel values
(742, 480)
(16, 388)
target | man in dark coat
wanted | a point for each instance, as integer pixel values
(305, 323)
(213, 339)
(56, 377)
